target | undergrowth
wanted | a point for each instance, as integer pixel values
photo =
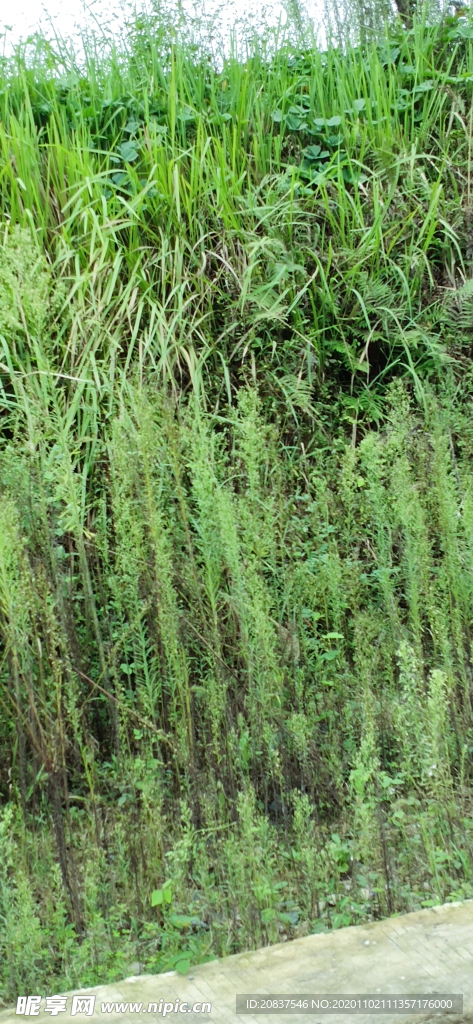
(236, 506)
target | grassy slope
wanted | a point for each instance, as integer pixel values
(236, 505)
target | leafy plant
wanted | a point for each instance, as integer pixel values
(235, 487)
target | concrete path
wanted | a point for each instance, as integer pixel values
(425, 953)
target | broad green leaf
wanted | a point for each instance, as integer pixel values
(424, 86)
(182, 966)
(181, 920)
(128, 152)
(312, 152)
(293, 123)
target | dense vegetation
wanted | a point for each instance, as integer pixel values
(236, 536)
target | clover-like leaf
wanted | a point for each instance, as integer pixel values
(312, 152)
(132, 127)
(293, 123)
(128, 152)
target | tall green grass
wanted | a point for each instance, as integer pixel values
(235, 479)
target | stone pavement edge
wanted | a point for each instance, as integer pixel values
(428, 952)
